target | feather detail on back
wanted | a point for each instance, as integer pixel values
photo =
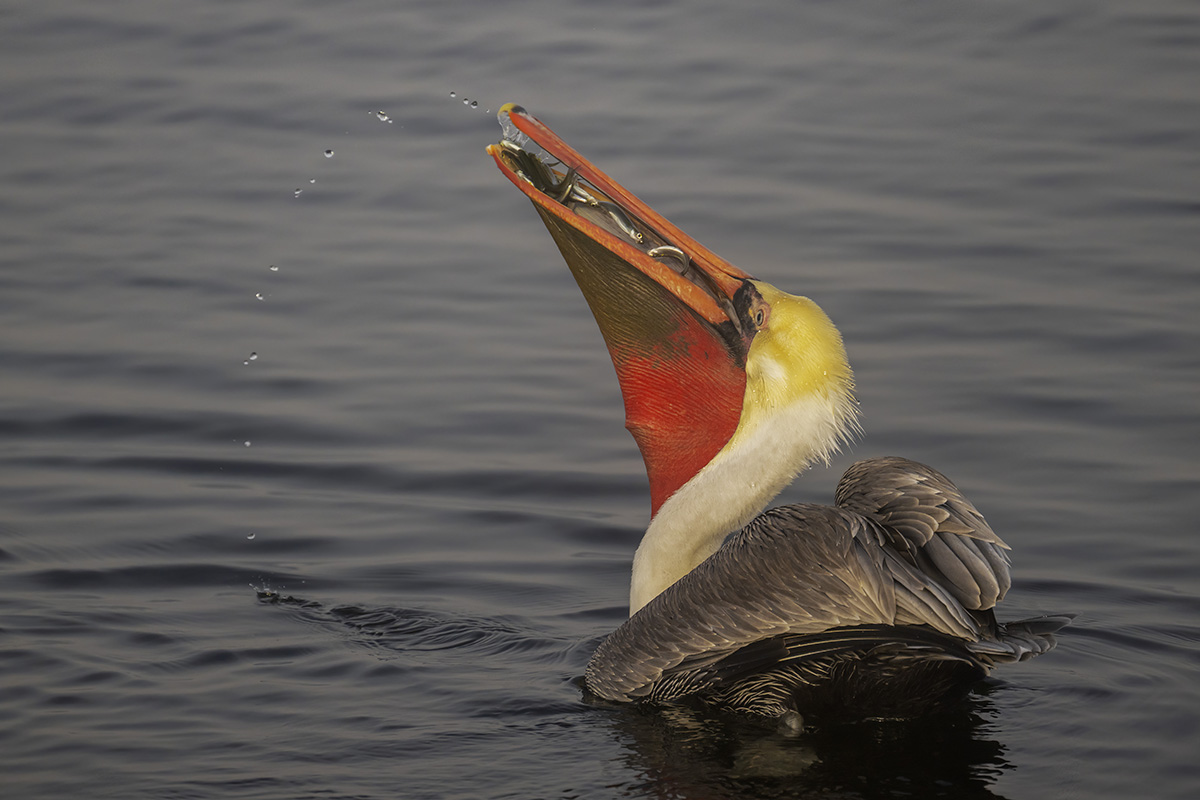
(808, 604)
(932, 524)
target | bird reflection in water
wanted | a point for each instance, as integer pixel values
(696, 752)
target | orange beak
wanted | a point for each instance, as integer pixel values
(665, 304)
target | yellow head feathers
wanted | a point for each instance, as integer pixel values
(796, 365)
(796, 353)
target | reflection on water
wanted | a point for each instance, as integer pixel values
(687, 753)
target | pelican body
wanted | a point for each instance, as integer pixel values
(880, 606)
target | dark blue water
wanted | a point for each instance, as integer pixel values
(371, 561)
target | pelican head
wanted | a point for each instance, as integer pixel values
(798, 381)
(731, 386)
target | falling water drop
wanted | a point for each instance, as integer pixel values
(259, 296)
(274, 268)
(249, 535)
(454, 94)
(246, 443)
(298, 192)
(383, 117)
(474, 104)
(329, 154)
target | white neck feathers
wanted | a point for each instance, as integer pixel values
(766, 452)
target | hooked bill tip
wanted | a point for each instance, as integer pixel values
(511, 133)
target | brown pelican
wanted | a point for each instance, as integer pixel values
(880, 606)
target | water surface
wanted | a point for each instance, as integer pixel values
(372, 560)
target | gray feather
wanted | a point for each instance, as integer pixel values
(904, 571)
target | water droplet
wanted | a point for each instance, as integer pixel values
(249, 535)
(466, 102)
(329, 154)
(274, 268)
(454, 94)
(474, 104)
(298, 192)
(383, 117)
(246, 443)
(259, 296)
(312, 180)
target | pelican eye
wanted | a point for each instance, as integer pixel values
(761, 314)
